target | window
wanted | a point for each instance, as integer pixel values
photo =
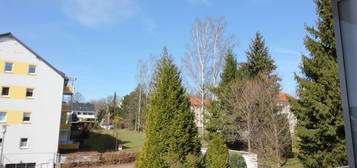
(5, 91)
(8, 66)
(32, 69)
(29, 92)
(21, 165)
(26, 117)
(23, 143)
(2, 116)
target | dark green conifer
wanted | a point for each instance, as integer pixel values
(217, 154)
(318, 109)
(170, 128)
(258, 58)
(229, 69)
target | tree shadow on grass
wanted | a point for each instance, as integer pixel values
(101, 143)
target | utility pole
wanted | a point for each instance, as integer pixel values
(4, 127)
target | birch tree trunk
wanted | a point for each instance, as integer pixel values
(205, 57)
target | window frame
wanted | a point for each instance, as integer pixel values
(33, 93)
(5, 120)
(23, 117)
(29, 67)
(27, 143)
(12, 67)
(8, 95)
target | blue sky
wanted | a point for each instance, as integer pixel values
(101, 41)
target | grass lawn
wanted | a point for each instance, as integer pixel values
(293, 163)
(106, 140)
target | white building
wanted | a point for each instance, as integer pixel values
(283, 101)
(85, 112)
(31, 93)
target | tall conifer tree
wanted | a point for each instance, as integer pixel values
(170, 128)
(258, 58)
(229, 69)
(320, 125)
(216, 120)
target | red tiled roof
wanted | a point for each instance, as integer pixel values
(196, 101)
(284, 97)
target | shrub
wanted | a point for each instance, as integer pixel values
(217, 154)
(236, 161)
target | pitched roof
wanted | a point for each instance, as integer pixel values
(10, 35)
(284, 97)
(196, 101)
(83, 107)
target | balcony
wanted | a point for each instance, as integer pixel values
(72, 146)
(66, 108)
(65, 127)
(68, 90)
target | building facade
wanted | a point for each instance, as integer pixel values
(31, 94)
(85, 112)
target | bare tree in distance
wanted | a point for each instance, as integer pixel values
(78, 98)
(145, 72)
(205, 56)
(272, 140)
(240, 98)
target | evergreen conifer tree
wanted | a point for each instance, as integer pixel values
(320, 125)
(229, 69)
(216, 121)
(170, 128)
(217, 154)
(258, 58)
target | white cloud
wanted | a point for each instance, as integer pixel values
(286, 51)
(200, 2)
(91, 13)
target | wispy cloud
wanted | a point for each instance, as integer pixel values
(92, 13)
(200, 2)
(286, 51)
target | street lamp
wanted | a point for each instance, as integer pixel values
(4, 128)
(345, 19)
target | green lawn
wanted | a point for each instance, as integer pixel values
(106, 140)
(293, 163)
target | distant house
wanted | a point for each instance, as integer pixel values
(85, 112)
(283, 100)
(196, 107)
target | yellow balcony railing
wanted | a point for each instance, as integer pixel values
(68, 90)
(68, 146)
(65, 127)
(66, 108)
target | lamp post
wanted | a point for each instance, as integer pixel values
(4, 128)
(345, 20)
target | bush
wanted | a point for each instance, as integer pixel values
(190, 161)
(217, 154)
(236, 161)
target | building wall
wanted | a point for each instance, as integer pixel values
(43, 129)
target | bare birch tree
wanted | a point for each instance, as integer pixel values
(144, 77)
(205, 56)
